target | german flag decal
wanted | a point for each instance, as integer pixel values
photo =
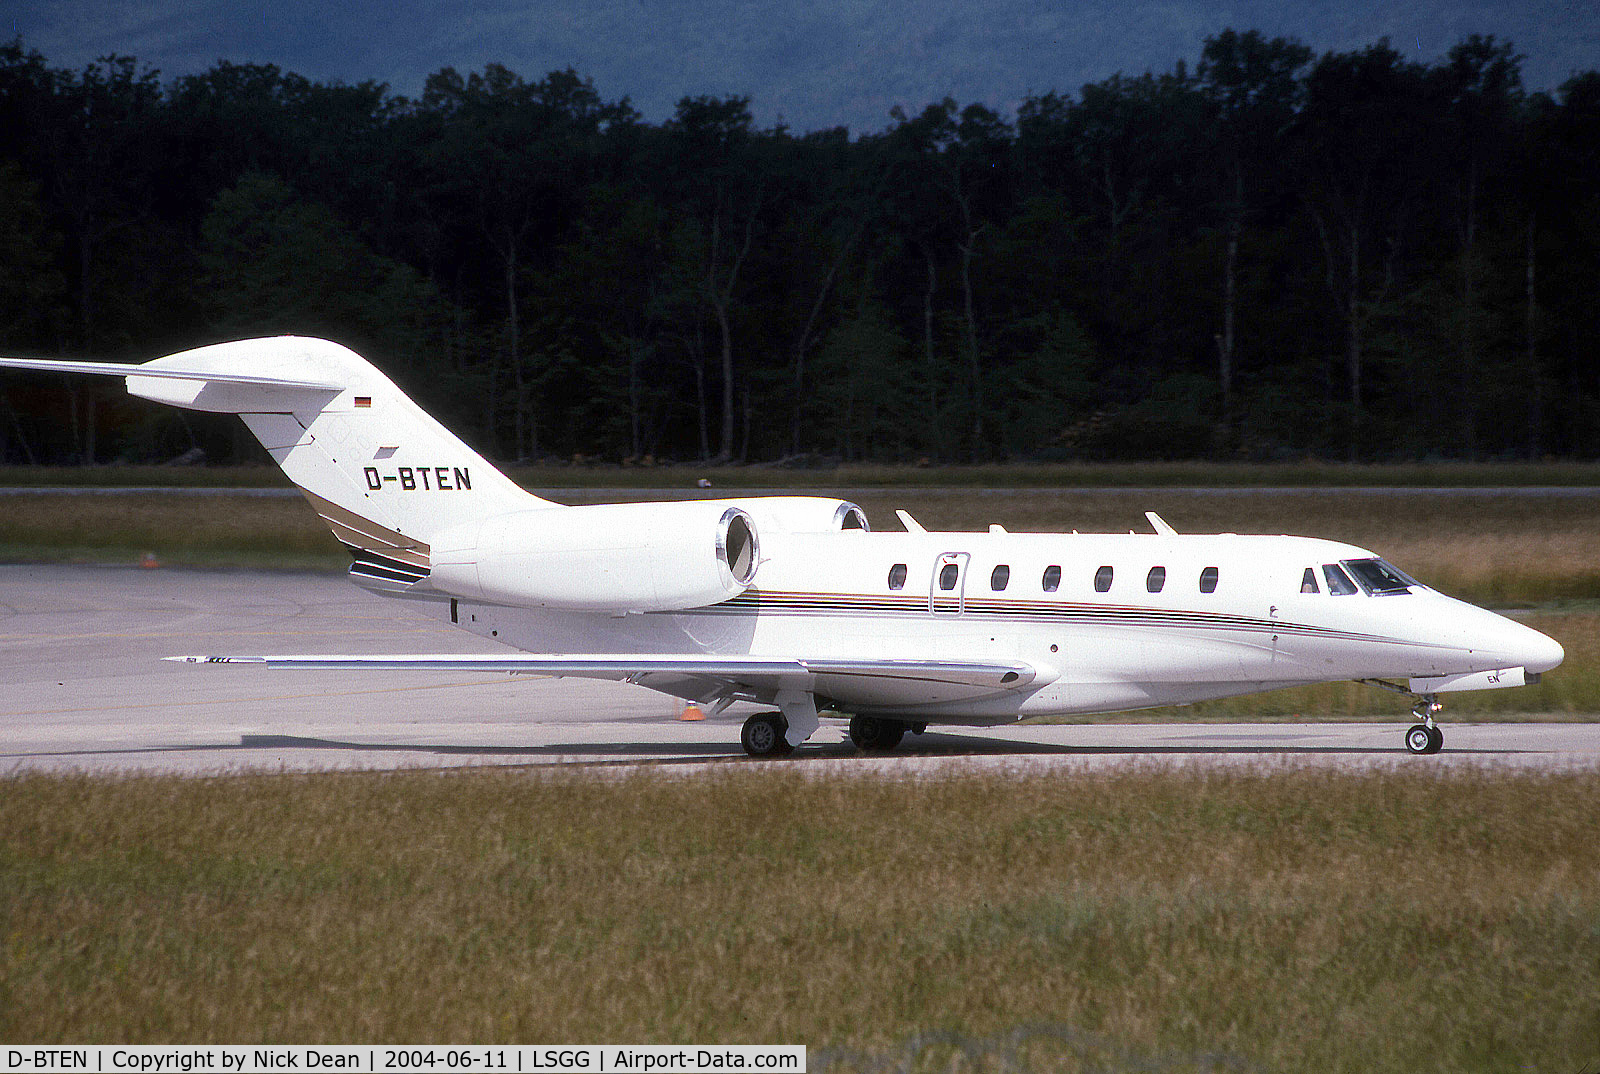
(363, 400)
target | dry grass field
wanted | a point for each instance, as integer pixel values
(179, 528)
(1286, 919)
(1278, 919)
(1504, 550)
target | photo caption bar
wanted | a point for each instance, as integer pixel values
(495, 1059)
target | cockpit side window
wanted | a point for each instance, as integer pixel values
(1378, 578)
(1339, 583)
(1308, 581)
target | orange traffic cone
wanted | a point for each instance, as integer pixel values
(691, 713)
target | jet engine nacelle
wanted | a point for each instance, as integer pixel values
(625, 557)
(802, 514)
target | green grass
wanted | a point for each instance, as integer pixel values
(213, 531)
(1075, 475)
(147, 476)
(1412, 919)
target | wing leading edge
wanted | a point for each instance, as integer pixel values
(755, 670)
(789, 683)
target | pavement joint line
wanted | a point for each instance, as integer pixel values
(277, 697)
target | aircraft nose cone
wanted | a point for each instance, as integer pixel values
(1540, 652)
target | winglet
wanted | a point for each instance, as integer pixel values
(1160, 524)
(911, 524)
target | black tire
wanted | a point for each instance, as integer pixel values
(859, 727)
(1436, 739)
(762, 735)
(1420, 739)
(872, 733)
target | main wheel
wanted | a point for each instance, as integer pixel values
(890, 732)
(871, 733)
(1420, 738)
(763, 733)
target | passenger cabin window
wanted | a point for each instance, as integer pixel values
(949, 576)
(1378, 578)
(1155, 579)
(1339, 583)
(1000, 578)
(1208, 580)
(897, 576)
(1308, 581)
(1052, 578)
(1102, 580)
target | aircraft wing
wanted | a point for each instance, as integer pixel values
(701, 676)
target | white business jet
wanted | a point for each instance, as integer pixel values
(792, 602)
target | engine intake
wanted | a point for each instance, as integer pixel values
(802, 514)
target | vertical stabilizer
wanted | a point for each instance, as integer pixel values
(383, 474)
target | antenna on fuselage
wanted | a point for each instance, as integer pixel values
(1160, 524)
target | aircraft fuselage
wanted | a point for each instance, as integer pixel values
(1108, 622)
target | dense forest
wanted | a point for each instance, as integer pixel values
(1269, 254)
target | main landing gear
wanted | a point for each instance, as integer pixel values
(1425, 737)
(878, 733)
(764, 735)
(872, 733)
(776, 734)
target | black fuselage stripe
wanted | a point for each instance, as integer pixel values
(824, 604)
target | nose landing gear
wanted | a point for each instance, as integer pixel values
(1425, 737)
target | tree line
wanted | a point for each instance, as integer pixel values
(1271, 254)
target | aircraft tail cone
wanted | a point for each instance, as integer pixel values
(149, 561)
(691, 713)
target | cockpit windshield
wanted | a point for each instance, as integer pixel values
(1379, 578)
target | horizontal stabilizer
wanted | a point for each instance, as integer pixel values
(122, 369)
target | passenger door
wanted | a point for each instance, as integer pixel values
(947, 588)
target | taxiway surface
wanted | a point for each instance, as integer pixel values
(82, 687)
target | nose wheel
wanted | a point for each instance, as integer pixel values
(1425, 737)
